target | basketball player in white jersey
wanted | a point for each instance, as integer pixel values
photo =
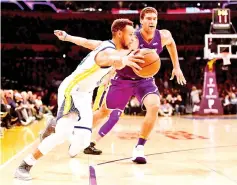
(74, 94)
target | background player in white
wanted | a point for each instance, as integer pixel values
(74, 94)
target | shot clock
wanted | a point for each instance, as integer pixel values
(221, 18)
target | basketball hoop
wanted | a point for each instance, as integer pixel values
(226, 58)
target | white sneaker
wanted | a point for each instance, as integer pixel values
(24, 122)
(23, 172)
(32, 118)
(70, 152)
(138, 155)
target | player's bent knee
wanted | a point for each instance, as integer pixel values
(152, 101)
(80, 140)
(85, 138)
(153, 107)
(64, 127)
(104, 111)
(115, 114)
(113, 119)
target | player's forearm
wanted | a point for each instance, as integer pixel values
(86, 43)
(172, 49)
(113, 58)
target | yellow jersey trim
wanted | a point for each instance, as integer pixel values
(74, 82)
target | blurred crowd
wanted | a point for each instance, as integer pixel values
(40, 31)
(23, 108)
(33, 73)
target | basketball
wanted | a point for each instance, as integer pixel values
(151, 65)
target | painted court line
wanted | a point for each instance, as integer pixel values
(173, 151)
(92, 179)
(18, 154)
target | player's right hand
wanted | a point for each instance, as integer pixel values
(132, 59)
(60, 34)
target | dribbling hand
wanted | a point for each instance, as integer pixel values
(132, 59)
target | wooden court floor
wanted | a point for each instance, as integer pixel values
(180, 151)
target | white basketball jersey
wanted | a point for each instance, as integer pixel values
(86, 76)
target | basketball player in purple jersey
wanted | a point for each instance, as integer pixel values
(126, 83)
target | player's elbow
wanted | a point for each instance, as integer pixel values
(101, 59)
(171, 46)
(103, 63)
(92, 45)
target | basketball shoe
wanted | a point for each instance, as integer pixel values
(23, 172)
(92, 150)
(138, 155)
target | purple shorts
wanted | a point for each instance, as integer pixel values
(121, 90)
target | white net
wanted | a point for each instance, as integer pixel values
(226, 58)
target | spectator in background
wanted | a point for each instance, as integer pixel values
(7, 120)
(38, 114)
(165, 109)
(43, 109)
(195, 98)
(233, 102)
(21, 107)
(53, 106)
(226, 104)
(13, 106)
(27, 105)
(170, 99)
(135, 107)
(179, 105)
(39, 104)
(31, 98)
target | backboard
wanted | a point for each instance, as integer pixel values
(220, 46)
(221, 42)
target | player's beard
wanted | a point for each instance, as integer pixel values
(124, 46)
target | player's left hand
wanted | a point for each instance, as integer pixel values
(60, 34)
(105, 81)
(179, 75)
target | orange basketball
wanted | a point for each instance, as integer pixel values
(151, 65)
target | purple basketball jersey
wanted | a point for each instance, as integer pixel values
(155, 43)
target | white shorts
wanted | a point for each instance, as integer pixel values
(76, 102)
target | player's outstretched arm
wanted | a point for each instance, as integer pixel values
(119, 59)
(80, 41)
(168, 41)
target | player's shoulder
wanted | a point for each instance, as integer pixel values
(108, 43)
(165, 33)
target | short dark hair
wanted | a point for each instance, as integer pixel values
(147, 10)
(120, 24)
